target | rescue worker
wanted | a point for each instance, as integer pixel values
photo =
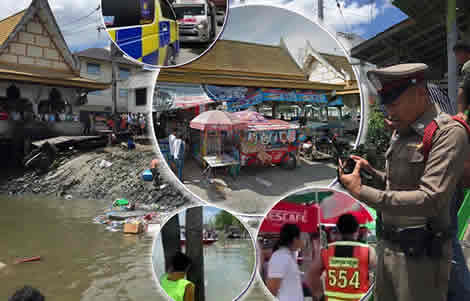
(174, 282)
(418, 204)
(346, 263)
(462, 53)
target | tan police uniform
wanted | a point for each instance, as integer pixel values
(418, 192)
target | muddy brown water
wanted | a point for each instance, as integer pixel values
(80, 260)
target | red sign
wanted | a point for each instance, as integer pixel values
(306, 217)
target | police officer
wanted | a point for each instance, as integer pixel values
(462, 53)
(415, 250)
(346, 263)
(174, 283)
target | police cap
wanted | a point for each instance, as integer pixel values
(392, 81)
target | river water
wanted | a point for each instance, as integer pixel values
(228, 268)
(81, 260)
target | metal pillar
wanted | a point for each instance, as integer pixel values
(451, 40)
(320, 10)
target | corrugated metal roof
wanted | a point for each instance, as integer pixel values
(102, 54)
(248, 58)
(8, 24)
(420, 38)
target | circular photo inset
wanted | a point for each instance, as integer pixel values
(203, 253)
(261, 114)
(318, 243)
(163, 33)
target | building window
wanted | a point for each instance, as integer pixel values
(97, 93)
(123, 92)
(124, 73)
(94, 69)
(141, 97)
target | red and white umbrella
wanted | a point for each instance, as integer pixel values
(249, 116)
(216, 121)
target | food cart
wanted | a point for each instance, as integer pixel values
(216, 130)
(267, 141)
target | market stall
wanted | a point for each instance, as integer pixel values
(267, 141)
(216, 134)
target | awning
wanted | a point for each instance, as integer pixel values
(180, 96)
(306, 217)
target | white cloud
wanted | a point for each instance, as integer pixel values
(78, 35)
(356, 15)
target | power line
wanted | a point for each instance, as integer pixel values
(83, 18)
(341, 12)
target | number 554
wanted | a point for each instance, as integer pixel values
(340, 279)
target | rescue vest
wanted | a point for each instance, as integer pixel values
(347, 270)
(174, 289)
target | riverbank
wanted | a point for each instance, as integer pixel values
(107, 174)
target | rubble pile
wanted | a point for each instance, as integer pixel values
(104, 174)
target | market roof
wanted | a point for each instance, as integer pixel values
(40, 12)
(103, 54)
(50, 78)
(8, 24)
(238, 63)
(420, 38)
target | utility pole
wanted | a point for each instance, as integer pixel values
(320, 9)
(114, 54)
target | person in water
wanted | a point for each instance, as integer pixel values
(174, 282)
(27, 293)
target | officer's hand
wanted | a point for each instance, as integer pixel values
(463, 116)
(351, 182)
(362, 162)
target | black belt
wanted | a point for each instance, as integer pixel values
(417, 241)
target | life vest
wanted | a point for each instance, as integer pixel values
(174, 289)
(347, 270)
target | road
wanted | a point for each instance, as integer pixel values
(255, 190)
(190, 51)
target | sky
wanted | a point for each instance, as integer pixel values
(208, 213)
(361, 18)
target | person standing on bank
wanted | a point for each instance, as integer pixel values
(462, 53)
(415, 250)
(284, 278)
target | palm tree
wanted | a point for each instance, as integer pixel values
(171, 239)
(194, 249)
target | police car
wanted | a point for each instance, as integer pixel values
(145, 30)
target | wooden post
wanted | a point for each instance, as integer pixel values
(171, 239)
(195, 250)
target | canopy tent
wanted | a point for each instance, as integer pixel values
(305, 217)
(217, 121)
(179, 96)
(333, 204)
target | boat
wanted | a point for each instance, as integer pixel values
(205, 241)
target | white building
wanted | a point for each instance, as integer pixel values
(132, 87)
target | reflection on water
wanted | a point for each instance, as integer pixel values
(227, 270)
(80, 260)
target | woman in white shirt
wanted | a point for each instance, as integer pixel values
(284, 277)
